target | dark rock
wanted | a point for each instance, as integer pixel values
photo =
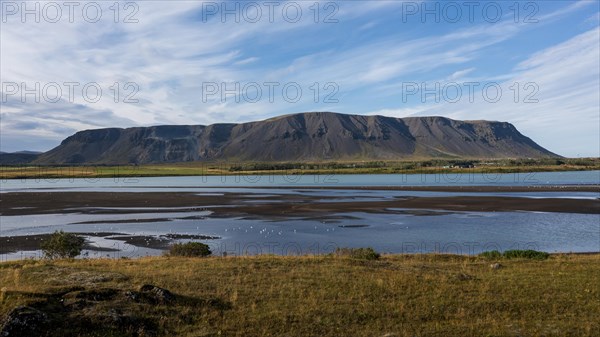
(23, 321)
(132, 295)
(464, 277)
(116, 316)
(118, 320)
(97, 294)
(159, 295)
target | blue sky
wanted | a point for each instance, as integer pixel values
(171, 60)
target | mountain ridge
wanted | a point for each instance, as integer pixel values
(18, 157)
(313, 136)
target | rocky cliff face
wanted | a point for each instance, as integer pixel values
(298, 137)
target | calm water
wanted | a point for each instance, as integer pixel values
(469, 179)
(452, 232)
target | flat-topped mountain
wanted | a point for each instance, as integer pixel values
(313, 136)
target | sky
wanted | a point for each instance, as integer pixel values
(71, 66)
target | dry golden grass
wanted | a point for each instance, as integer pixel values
(397, 295)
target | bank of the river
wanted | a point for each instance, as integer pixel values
(332, 168)
(398, 295)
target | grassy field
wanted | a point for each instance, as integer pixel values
(397, 295)
(328, 168)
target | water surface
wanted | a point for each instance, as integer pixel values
(407, 231)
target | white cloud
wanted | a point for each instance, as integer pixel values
(459, 75)
(171, 51)
(566, 120)
(168, 57)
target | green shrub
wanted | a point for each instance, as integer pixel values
(62, 245)
(493, 254)
(189, 249)
(358, 253)
(516, 254)
(525, 254)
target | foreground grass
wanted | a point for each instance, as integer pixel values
(398, 295)
(323, 168)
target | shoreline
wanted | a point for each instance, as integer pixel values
(30, 243)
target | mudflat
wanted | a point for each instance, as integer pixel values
(286, 205)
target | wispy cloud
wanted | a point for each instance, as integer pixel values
(563, 83)
(457, 75)
(175, 48)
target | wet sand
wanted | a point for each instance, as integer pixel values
(467, 188)
(447, 188)
(278, 206)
